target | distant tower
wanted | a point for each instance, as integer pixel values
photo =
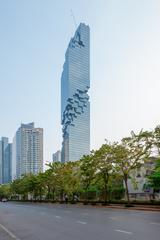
(27, 150)
(5, 160)
(75, 105)
(56, 157)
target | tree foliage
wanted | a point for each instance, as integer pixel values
(154, 178)
(102, 171)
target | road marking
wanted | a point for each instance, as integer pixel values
(67, 211)
(59, 217)
(113, 218)
(9, 232)
(81, 222)
(85, 213)
(122, 231)
(155, 223)
(42, 213)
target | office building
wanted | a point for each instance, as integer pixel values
(5, 160)
(75, 105)
(27, 150)
(56, 157)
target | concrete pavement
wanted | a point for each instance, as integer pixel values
(27, 221)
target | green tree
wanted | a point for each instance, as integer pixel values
(104, 167)
(87, 172)
(18, 187)
(28, 184)
(49, 184)
(57, 172)
(5, 191)
(154, 178)
(131, 154)
(71, 178)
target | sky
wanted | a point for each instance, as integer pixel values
(125, 65)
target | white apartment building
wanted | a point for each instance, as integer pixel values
(27, 151)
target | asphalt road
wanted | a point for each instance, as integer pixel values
(21, 221)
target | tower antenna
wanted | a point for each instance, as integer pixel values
(74, 19)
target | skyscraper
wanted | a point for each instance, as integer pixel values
(75, 105)
(5, 160)
(27, 150)
(56, 157)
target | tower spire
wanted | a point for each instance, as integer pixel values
(74, 19)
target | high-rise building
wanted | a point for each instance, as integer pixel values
(56, 157)
(75, 105)
(27, 150)
(5, 160)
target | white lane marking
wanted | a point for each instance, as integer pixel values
(42, 213)
(85, 213)
(59, 217)
(9, 232)
(67, 211)
(155, 223)
(81, 222)
(122, 231)
(113, 218)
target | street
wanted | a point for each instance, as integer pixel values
(27, 221)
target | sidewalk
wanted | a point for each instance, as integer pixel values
(135, 207)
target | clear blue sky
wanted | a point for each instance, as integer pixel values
(125, 65)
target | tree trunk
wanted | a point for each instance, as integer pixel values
(48, 192)
(105, 193)
(126, 185)
(61, 195)
(106, 179)
(40, 194)
(53, 194)
(86, 195)
(35, 196)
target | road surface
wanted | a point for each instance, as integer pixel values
(27, 221)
